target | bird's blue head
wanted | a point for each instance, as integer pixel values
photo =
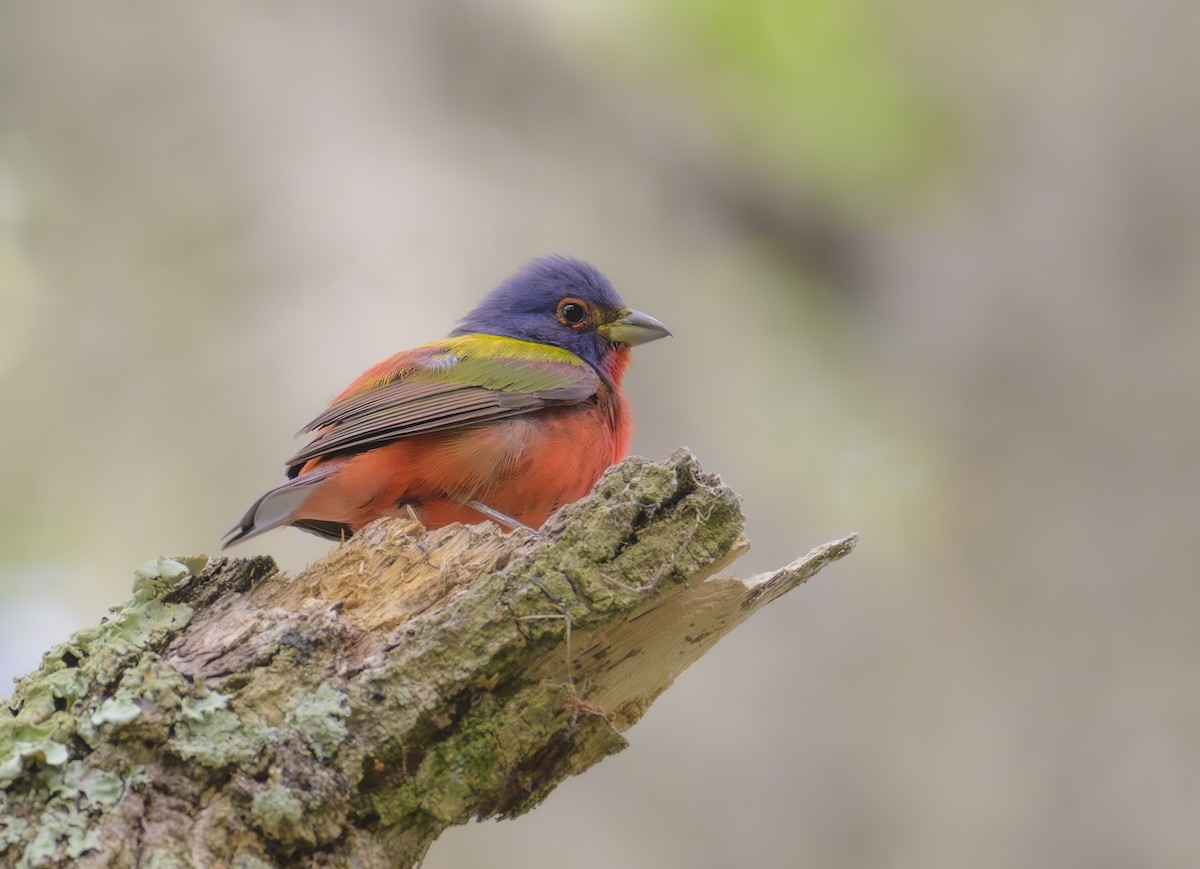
(565, 302)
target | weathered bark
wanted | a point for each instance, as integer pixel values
(228, 715)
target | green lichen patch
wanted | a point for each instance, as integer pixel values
(36, 758)
(204, 704)
(277, 813)
(22, 743)
(118, 710)
(149, 621)
(156, 578)
(49, 699)
(214, 730)
(144, 697)
(319, 716)
(221, 738)
(13, 830)
(154, 680)
(57, 691)
(64, 832)
(99, 655)
(95, 787)
(194, 563)
(74, 795)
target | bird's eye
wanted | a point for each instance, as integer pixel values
(572, 312)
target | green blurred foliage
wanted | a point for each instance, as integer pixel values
(814, 92)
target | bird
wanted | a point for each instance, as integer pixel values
(516, 413)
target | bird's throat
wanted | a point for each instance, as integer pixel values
(614, 362)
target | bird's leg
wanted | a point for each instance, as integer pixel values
(498, 517)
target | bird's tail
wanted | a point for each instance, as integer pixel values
(277, 507)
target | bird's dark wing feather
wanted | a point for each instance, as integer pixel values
(464, 381)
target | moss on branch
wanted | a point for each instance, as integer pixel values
(227, 714)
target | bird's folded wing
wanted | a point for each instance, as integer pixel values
(455, 383)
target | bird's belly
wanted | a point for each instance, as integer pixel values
(563, 459)
(526, 468)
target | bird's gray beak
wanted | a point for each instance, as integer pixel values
(634, 327)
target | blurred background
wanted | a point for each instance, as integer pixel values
(932, 270)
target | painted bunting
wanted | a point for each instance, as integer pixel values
(518, 412)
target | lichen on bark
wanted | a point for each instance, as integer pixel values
(230, 715)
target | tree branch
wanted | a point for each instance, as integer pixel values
(228, 715)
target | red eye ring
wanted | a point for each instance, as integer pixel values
(574, 313)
